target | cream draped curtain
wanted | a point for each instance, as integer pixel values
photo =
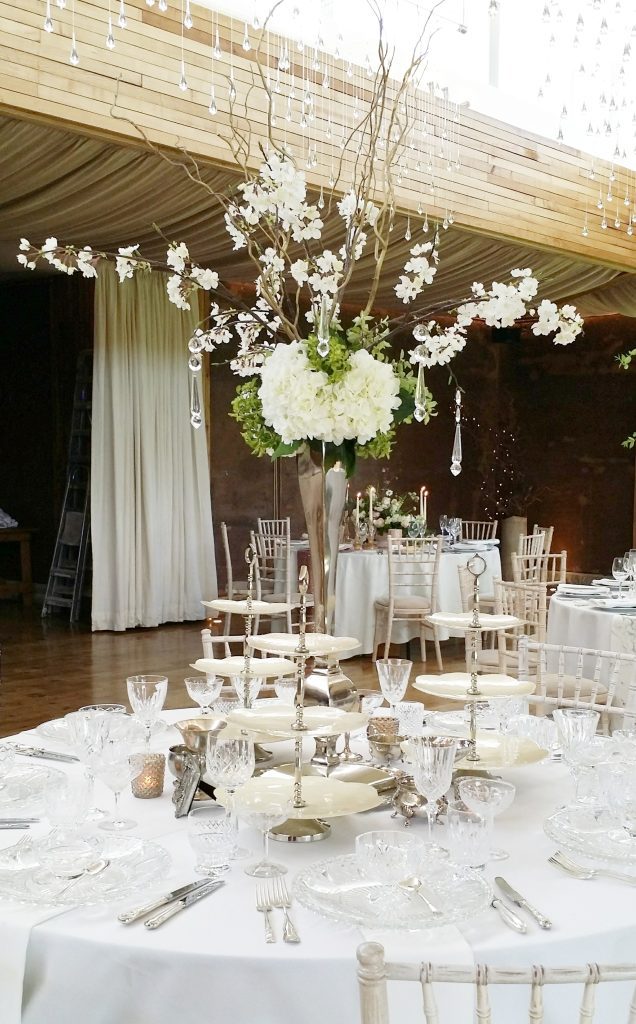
(151, 516)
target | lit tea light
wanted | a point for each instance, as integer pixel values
(149, 782)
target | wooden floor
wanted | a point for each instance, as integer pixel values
(49, 667)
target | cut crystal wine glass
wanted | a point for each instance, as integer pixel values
(393, 674)
(230, 763)
(434, 758)
(264, 813)
(147, 695)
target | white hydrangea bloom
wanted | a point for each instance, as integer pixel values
(300, 402)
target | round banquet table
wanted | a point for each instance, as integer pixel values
(211, 963)
(362, 578)
(577, 623)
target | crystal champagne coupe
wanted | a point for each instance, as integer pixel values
(264, 813)
(488, 797)
(204, 691)
(620, 572)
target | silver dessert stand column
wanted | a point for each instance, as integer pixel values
(476, 567)
(300, 830)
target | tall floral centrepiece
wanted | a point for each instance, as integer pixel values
(320, 380)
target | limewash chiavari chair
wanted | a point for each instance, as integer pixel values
(374, 973)
(273, 573)
(479, 529)
(575, 677)
(235, 591)
(531, 544)
(528, 603)
(550, 569)
(413, 591)
(548, 531)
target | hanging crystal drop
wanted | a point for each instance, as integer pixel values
(256, 22)
(163, 6)
(110, 39)
(122, 20)
(288, 115)
(247, 46)
(630, 230)
(183, 81)
(303, 122)
(425, 225)
(48, 20)
(196, 419)
(456, 457)
(617, 222)
(349, 70)
(407, 233)
(585, 231)
(322, 333)
(216, 52)
(195, 362)
(231, 90)
(604, 223)
(326, 81)
(332, 181)
(74, 57)
(150, 3)
(420, 395)
(62, 4)
(321, 200)
(212, 109)
(187, 18)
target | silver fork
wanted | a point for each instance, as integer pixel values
(280, 898)
(561, 860)
(264, 906)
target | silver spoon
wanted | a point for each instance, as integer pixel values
(92, 869)
(413, 884)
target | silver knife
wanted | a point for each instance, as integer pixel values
(13, 825)
(186, 901)
(128, 916)
(46, 755)
(517, 898)
(508, 916)
(18, 820)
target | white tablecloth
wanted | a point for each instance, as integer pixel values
(211, 963)
(578, 624)
(363, 577)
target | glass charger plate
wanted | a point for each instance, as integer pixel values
(324, 797)
(134, 864)
(261, 668)
(25, 788)
(338, 889)
(586, 833)
(320, 721)
(455, 686)
(319, 645)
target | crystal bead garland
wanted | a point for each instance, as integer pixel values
(322, 333)
(456, 457)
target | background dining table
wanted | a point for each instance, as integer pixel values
(579, 622)
(363, 577)
(211, 963)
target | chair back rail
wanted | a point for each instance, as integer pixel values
(479, 529)
(549, 533)
(374, 973)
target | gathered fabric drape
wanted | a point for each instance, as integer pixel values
(151, 515)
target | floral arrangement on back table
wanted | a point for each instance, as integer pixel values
(391, 511)
(316, 378)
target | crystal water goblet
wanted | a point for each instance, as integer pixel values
(212, 838)
(454, 529)
(433, 761)
(204, 690)
(487, 797)
(410, 715)
(147, 695)
(87, 730)
(468, 837)
(393, 674)
(443, 525)
(230, 764)
(576, 726)
(620, 572)
(264, 813)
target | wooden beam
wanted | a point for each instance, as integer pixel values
(511, 184)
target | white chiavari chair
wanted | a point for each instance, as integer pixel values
(235, 590)
(374, 972)
(479, 529)
(273, 572)
(574, 677)
(531, 544)
(413, 591)
(528, 603)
